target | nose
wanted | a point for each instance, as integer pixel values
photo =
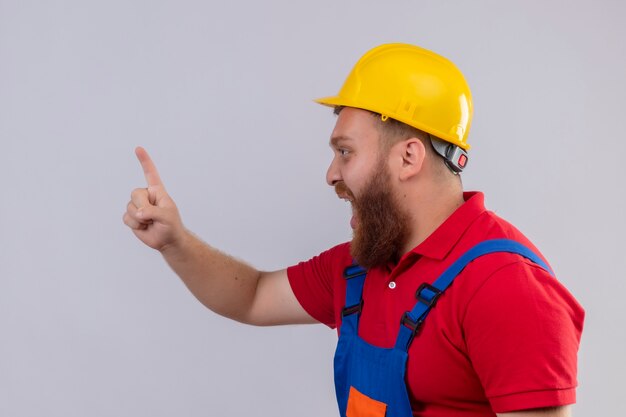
(333, 175)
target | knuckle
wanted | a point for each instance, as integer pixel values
(131, 222)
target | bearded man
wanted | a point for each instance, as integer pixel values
(442, 307)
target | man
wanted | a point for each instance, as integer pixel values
(502, 339)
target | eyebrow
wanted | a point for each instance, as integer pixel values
(334, 141)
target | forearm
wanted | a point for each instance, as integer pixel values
(222, 283)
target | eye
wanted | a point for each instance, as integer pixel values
(342, 152)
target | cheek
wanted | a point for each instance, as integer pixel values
(354, 181)
(357, 185)
(357, 169)
(359, 175)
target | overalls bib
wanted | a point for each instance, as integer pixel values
(370, 381)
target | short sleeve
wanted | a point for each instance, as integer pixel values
(523, 329)
(313, 282)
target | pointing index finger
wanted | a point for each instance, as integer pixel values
(149, 169)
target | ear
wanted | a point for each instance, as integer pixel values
(413, 154)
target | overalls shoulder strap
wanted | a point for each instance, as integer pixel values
(428, 294)
(355, 279)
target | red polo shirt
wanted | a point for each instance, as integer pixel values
(503, 337)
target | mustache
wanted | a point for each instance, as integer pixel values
(342, 191)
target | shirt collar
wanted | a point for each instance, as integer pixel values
(443, 239)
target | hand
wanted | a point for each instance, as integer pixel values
(151, 213)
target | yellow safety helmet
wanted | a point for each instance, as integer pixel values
(412, 85)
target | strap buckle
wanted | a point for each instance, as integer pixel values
(413, 325)
(429, 301)
(346, 311)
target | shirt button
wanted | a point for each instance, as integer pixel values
(392, 285)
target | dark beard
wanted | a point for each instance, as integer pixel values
(382, 227)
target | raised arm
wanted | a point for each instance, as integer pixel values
(222, 283)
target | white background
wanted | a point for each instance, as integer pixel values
(92, 323)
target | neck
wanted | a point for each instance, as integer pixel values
(429, 208)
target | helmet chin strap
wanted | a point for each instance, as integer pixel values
(454, 157)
